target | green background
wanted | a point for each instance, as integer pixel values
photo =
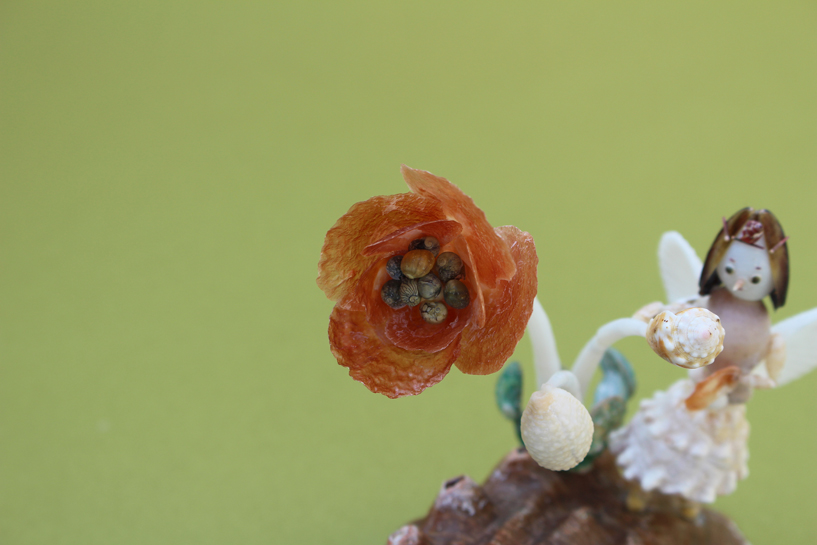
(168, 171)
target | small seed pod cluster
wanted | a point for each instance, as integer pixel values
(423, 276)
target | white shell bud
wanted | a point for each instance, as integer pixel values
(556, 428)
(692, 338)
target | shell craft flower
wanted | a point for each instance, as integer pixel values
(423, 282)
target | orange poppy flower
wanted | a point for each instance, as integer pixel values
(394, 351)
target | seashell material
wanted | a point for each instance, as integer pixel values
(426, 243)
(409, 293)
(449, 265)
(433, 313)
(456, 294)
(417, 263)
(556, 428)
(390, 293)
(522, 504)
(692, 338)
(430, 286)
(715, 385)
(393, 267)
(698, 454)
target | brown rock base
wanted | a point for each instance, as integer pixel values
(522, 503)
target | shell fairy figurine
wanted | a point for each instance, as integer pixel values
(691, 440)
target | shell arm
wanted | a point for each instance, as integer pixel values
(775, 356)
(605, 337)
(690, 339)
(800, 336)
(709, 389)
(650, 311)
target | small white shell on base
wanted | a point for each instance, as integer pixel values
(696, 454)
(557, 428)
(692, 338)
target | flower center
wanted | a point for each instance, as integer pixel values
(424, 275)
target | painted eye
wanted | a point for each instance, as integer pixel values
(756, 280)
(729, 269)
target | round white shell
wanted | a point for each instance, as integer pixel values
(556, 428)
(692, 338)
(697, 454)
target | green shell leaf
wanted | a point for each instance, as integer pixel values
(609, 402)
(509, 395)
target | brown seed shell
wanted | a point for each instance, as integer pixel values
(390, 293)
(426, 243)
(409, 293)
(433, 312)
(449, 266)
(417, 263)
(456, 294)
(393, 267)
(429, 286)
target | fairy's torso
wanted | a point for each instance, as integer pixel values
(747, 327)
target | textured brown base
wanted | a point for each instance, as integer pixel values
(523, 504)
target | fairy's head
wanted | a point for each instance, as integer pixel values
(749, 257)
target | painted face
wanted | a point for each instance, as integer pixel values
(745, 270)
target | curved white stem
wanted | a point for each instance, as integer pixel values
(545, 356)
(605, 337)
(566, 381)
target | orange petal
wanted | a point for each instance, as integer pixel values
(384, 368)
(507, 310)
(407, 329)
(397, 242)
(342, 262)
(492, 258)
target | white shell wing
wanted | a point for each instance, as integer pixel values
(800, 334)
(680, 267)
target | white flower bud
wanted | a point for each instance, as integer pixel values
(556, 428)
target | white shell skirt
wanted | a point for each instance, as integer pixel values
(697, 454)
